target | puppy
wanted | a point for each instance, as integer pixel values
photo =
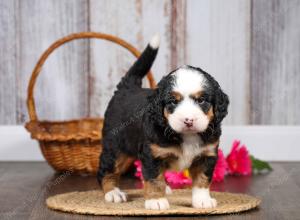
(175, 126)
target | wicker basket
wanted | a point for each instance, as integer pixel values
(70, 145)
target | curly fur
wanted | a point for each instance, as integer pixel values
(135, 118)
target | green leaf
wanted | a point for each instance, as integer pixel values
(259, 165)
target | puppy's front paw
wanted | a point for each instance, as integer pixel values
(205, 203)
(157, 204)
(202, 199)
(115, 195)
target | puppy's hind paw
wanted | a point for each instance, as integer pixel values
(116, 196)
(157, 204)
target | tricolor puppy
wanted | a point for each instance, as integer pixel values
(175, 126)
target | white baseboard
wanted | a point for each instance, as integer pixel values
(16, 145)
(272, 143)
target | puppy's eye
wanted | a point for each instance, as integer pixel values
(200, 100)
(174, 101)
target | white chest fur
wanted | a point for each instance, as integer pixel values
(191, 147)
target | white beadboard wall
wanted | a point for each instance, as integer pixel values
(251, 47)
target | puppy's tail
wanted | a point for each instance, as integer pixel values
(140, 68)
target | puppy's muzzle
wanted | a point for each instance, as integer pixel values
(188, 122)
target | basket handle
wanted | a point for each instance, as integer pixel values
(37, 69)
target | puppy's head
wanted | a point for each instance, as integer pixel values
(191, 99)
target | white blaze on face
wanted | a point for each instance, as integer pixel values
(187, 83)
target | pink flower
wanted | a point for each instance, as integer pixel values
(138, 173)
(177, 179)
(238, 160)
(220, 168)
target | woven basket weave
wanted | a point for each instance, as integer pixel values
(70, 145)
(93, 203)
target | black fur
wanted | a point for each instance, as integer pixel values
(206, 164)
(134, 76)
(134, 118)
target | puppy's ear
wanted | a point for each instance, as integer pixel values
(158, 99)
(221, 105)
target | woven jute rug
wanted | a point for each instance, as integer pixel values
(92, 202)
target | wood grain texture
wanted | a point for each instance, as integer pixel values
(8, 63)
(218, 38)
(156, 18)
(135, 22)
(25, 199)
(109, 62)
(61, 89)
(251, 47)
(275, 65)
(178, 33)
(188, 36)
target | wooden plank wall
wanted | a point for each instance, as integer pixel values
(275, 62)
(219, 43)
(30, 26)
(8, 65)
(251, 47)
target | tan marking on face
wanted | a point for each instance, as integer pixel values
(210, 113)
(154, 189)
(110, 181)
(196, 95)
(177, 95)
(166, 113)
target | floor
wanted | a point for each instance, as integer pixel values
(24, 186)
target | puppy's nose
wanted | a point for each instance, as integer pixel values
(188, 122)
